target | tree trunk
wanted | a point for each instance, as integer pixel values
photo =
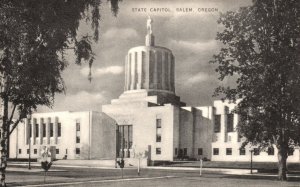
(3, 140)
(282, 168)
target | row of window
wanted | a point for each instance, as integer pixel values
(256, 151)
(43, 129)
(184, 151)
(77, 151)
(229, 124)
(35, 151)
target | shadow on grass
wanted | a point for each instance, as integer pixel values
(262, 177)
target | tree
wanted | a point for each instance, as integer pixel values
(261, 50)
(34, 38)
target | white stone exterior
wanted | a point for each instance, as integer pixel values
(92, 140)
(147, 121)
(162, 127)
(223, 140)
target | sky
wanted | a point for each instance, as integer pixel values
(182, 26)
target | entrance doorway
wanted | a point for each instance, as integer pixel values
(124, 139)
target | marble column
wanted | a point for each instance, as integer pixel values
(155, 71)
(33, 131)
(132, 72)
(41, 131)
(55, 129)
(126, 75)
(166, 70)
(163, 71)
(139, 69)
(170, 72)
(129, 71)
(27, 131)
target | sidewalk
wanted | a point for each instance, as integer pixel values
(99, 165)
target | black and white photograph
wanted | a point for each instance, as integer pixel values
(150, 93)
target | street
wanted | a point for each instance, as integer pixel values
(75, 176)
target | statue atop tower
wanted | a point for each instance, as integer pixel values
(149, 36)
(149, 25)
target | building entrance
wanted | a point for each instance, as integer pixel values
(124, 139)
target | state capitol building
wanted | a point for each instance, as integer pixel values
(147, 121)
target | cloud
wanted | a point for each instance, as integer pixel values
(195, 46)
(79, 101)
(200, 77)
(123, 33)
(98, 72)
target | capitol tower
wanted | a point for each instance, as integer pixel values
(150, 119)
(151, 68)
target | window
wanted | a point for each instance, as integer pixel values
(59, 129)
(158, 123)
(216, 151)
(77, 151)
(36, 130)
(291, 151)
(77, 139)
(158, 130)
(57, 151)
(228, 151)
(239, 137)
(158, 151)
(77, 125)
(35, 151)
(184, 151)
(270, 151)
(229, 122)
(66, 151)
(256, 151)
(30, 130)
(200, 151)
(27, 151)
(20, 151)
(176, 151)
(44, 129)
(243, 151)
(77, 131)
(51, 129)
(217, 126)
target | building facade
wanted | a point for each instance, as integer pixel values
(151, 119)
(69, 135)
(148, 121)
(226, 142)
